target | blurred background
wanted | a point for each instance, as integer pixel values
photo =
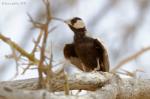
(124, 26)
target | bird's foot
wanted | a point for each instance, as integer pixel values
(97, 71)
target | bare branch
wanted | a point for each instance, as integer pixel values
(130, 58)
(101, 86)
(19, 49)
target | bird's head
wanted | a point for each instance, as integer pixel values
(77, 25)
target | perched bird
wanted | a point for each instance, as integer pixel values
(86, 53)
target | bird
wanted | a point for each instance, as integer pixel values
(86, 53)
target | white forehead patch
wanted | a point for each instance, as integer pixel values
(79, 24)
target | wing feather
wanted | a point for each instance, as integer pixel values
(70, 54)
(105, 59)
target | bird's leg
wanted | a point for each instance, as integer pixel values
(83, 67)
(98, 65)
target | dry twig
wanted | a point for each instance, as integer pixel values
(130, 58)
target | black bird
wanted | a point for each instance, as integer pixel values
(86, 53)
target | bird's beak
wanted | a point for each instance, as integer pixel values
(64, 21)
(58, 19)
(67, 22)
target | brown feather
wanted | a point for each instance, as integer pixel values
(86, 51)
(70, 54)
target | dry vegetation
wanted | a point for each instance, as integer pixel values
(102, 85)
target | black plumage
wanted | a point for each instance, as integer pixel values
(85, 52)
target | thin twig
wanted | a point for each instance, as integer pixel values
(42, 52)
(66, 84)
(42, 57)
(34, 49)
(19, 49)
(48, 11)
(16, 62)
(130, 58)
(25, 69)
(49, 70)
(35, 24)
(37, 41)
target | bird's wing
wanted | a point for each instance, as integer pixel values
(78, 63)
(69, 51)
(70, 54)
(101, 48)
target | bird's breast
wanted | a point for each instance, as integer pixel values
(84, 48)
(87, 53)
